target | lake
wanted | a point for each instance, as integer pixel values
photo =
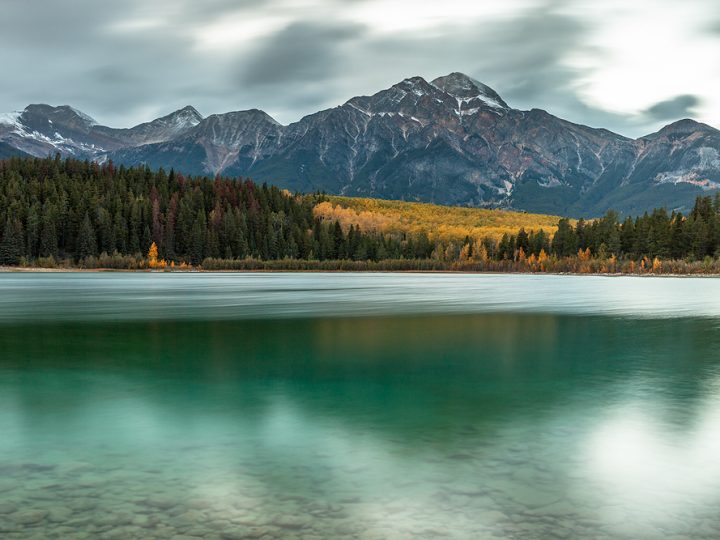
(369, 406)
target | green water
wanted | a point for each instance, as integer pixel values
(358, 406)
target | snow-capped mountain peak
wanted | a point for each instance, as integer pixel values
(466, 89)
(188, 116)
(176, 121)
(415, 85)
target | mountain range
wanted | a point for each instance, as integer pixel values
(452, 141)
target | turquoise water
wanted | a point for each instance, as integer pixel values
(223, 406)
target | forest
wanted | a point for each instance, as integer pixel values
(443, 223)
(66, 213)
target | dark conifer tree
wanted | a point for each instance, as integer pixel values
(522, 241)
(86, 240)
(339, 251)
(197, 242)
(565, 241)
(48, 233)
(12, 245)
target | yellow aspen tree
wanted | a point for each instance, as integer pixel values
(480, 252)
(542, 259)
(532, 261)
(153, 255)
(656, 265)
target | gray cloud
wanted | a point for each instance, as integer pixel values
(530, 50)
(63, 54)
(674, 109)
(522, 58)
(89, 54)
(303, 51)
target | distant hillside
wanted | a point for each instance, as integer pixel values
(445, 223)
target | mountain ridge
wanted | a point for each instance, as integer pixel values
(452, 140)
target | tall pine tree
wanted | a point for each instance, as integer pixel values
(86, 241)
(12, 246)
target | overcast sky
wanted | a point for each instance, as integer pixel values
(630, 66)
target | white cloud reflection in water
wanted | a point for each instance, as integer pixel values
(652, 470)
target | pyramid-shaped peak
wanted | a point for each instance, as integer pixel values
(189, 110)
(187, 115)
(687, 125)
(415, 85)
(462, 86)
(682, 128)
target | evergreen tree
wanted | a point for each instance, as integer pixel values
(32, 230)
(627, 235)
(12, 245)
(522, 241)
(48, 233)
(339, 251)
(700, 237)
(198, 238)
(565, 241)
(678, 237)
(86, 240)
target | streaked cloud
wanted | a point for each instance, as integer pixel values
(672, 109)
(625, 66)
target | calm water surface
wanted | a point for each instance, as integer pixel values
(369, 406)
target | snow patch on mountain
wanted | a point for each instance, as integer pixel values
(11, 118)
(686, 177)
(64, 144)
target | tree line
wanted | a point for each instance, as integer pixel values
(658, 234)
(78, 213)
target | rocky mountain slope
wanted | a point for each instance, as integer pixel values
(40, 130)
(452, 140)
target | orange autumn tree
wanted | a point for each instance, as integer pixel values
(153, 255)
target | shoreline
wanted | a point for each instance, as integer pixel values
(39, 270)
